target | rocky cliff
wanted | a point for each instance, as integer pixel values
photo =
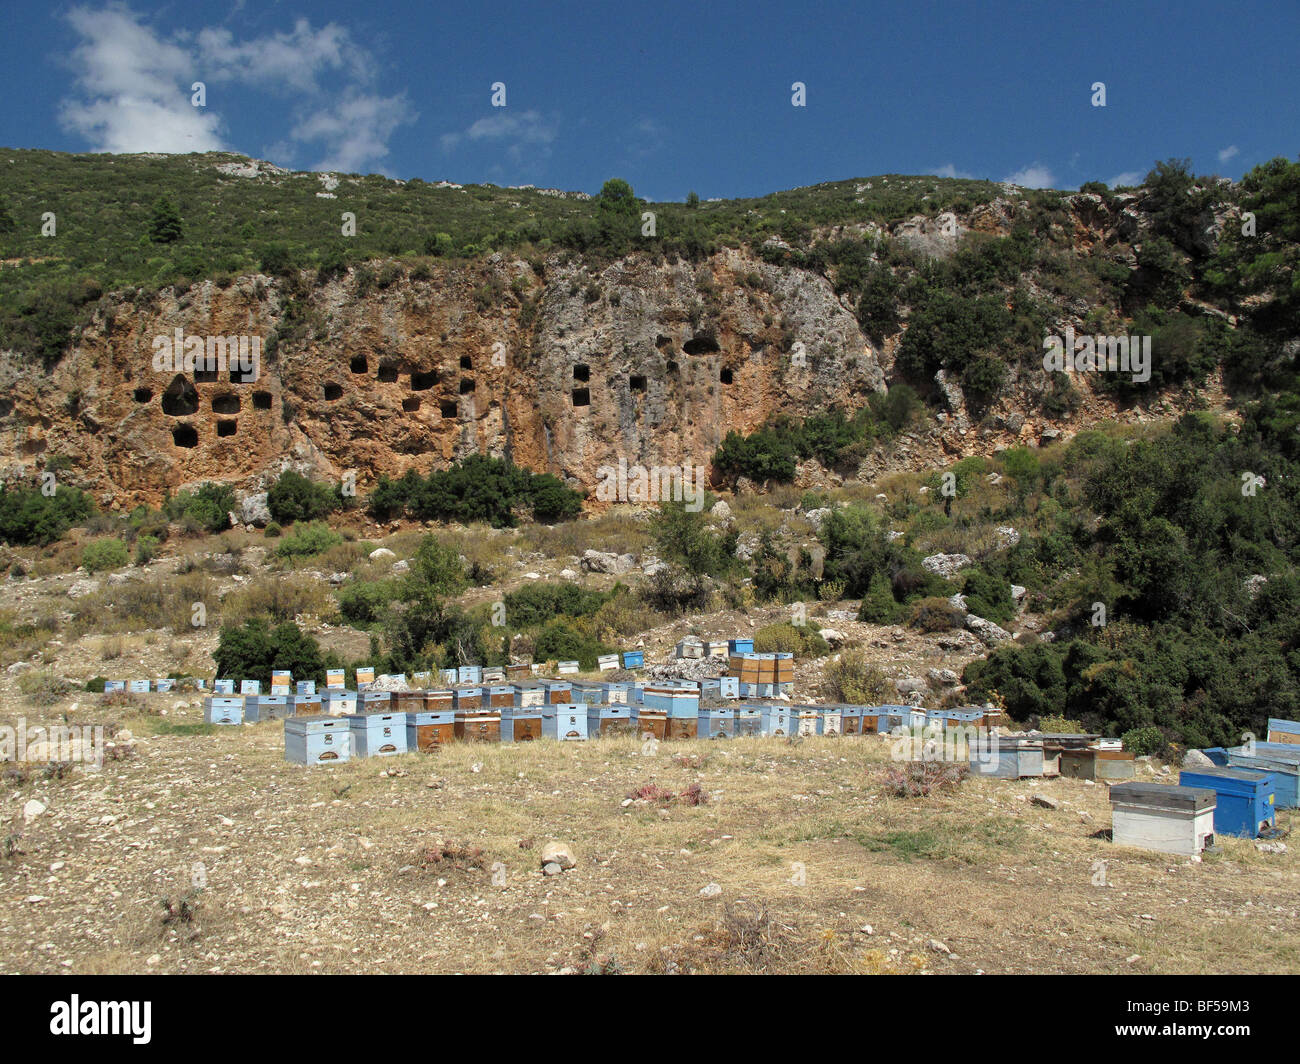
(562, 364)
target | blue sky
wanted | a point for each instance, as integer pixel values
(673, 97)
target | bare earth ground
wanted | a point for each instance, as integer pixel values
(321, 870)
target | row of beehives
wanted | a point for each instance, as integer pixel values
(663, 714)
(1073, 756)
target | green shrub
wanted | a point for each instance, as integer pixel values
(295, 498)
(559, 640)
(146, 548)
(312, 538)
(479, 488)
(989, 596)
(935, 615)
(273, 529)
(878, 604)
(365, 602)
(44, 686)
(799, 639)
(535, 604)
(101, 554)
(27, 516)
(253, 650)
(1144, 742)
(209, 506)
(851, 678)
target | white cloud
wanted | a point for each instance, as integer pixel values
(1035, 175)
(133, 88)
(525, 133)
(1128, 177)
(1230, 152)
(948, 170)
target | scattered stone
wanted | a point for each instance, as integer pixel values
(558, 853)
(943, 677)
(551, 869)
(1007, 537)
(938, 946)
(986, 631)
(595, 561)
(1270, 847)
(254, 510)
(33, 809)
(1044, 801)
(380, 553)
(1196, 759)
(711, 891)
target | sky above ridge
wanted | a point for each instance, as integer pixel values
(673, 97)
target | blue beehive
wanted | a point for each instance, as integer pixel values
(250, 687)
(566, 722)
(717, 723)
(1285, 768)
(589, 694)
(749, 721)
(850, 720)
(722, 687)
(114, 685)
(266, 707)
(377, 734)
(138, 687)
(317, 740)
(777, 720)
(606, 718)
(679, 703)
(281, 682)
(223, 710)
(614, 693)
(634, 659)
(557, 692)
(1217, 754)
(223, 687)
(740, 646)
(339, 703)
(1244, 797)
(450, 677)
(164, 686)
(469, 674)
(305, 687)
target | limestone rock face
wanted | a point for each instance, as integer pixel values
(565, 368)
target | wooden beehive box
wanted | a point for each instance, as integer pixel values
(1007, 757)
(494, 674)
(749, 721)
(832, 720)
(784, 669)
(305, 687)
(556, 692)
(377, 734)
(568, 668)
(250, 687)
(266, 707)
(478, 725)
(607, 662)
(138, 687)
(519, 672)
(467, 698)
(567, 723)
(613, 693)
(500, 695)
(281, 682)
(335, 679)
(777, 720)
(1092, 763)
(1283, 731)
(469, 674)
(429, 729)
(634, 659)
(649, 722)
(305, 705)
(521, 724)
(376, 701)
(439, 699)
(408, 701)
(851, 720)
(1152, 816)
(318, 740)
(609, 719)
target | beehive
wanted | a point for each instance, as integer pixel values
(557, 692)
(266, 707)
(609, 719)
(805, 720)
(1151, 816)
(469, 674)
(566, 668)
(218, 710)
(495, 674)
(521, 724)
(138, 687)
(219, 687)
(1284, 767)
(567, 722)
(339, 703)
(250, 687)
(377, 734)
(613, 693)
(111, 686)
(633, 659)
(318, 740)
(606, 662)
(467, 698)
(481, 724)
(518, 672)
(1007, 757)
(335, 679)
(305, 687)
(749, 721)
(1244, 798)
(281, 682)
(376, 701)
(429, 729)
(740, 646)
(717, 723)
(784, 668)
(500, 695)
(1092, 763)
(715, 648)
(408, 701)
(851, 720)
(164, 686)
(832, 720)
(439, 700)
(677, 702)
(306, 705)
(1283, 731)
(777, 720)
(651, 722)
(529, 693)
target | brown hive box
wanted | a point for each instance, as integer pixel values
(481, 725)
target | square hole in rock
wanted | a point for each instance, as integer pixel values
(411, 405)
(185, 436)
(261, 400)
(466, 386)
(636, 384)
(447, 408)
(466, 362)
(333, 391)
(726, 376)
(142, 395)
(581, 397)
(227, 427)
(360, 364)
(422, 381)
(581, 372)
(388, 373)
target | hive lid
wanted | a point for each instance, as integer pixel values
(1164, 795)
(1247, 774)
(302, 724)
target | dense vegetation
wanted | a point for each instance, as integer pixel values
(479, 488)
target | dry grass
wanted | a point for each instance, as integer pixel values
(805, 848)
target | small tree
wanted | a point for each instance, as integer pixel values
(165, 225)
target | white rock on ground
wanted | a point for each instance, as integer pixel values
(987, 632)
(380, 553)
(558, 853)
(946, 565)
(595, 561)
(32, 809)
